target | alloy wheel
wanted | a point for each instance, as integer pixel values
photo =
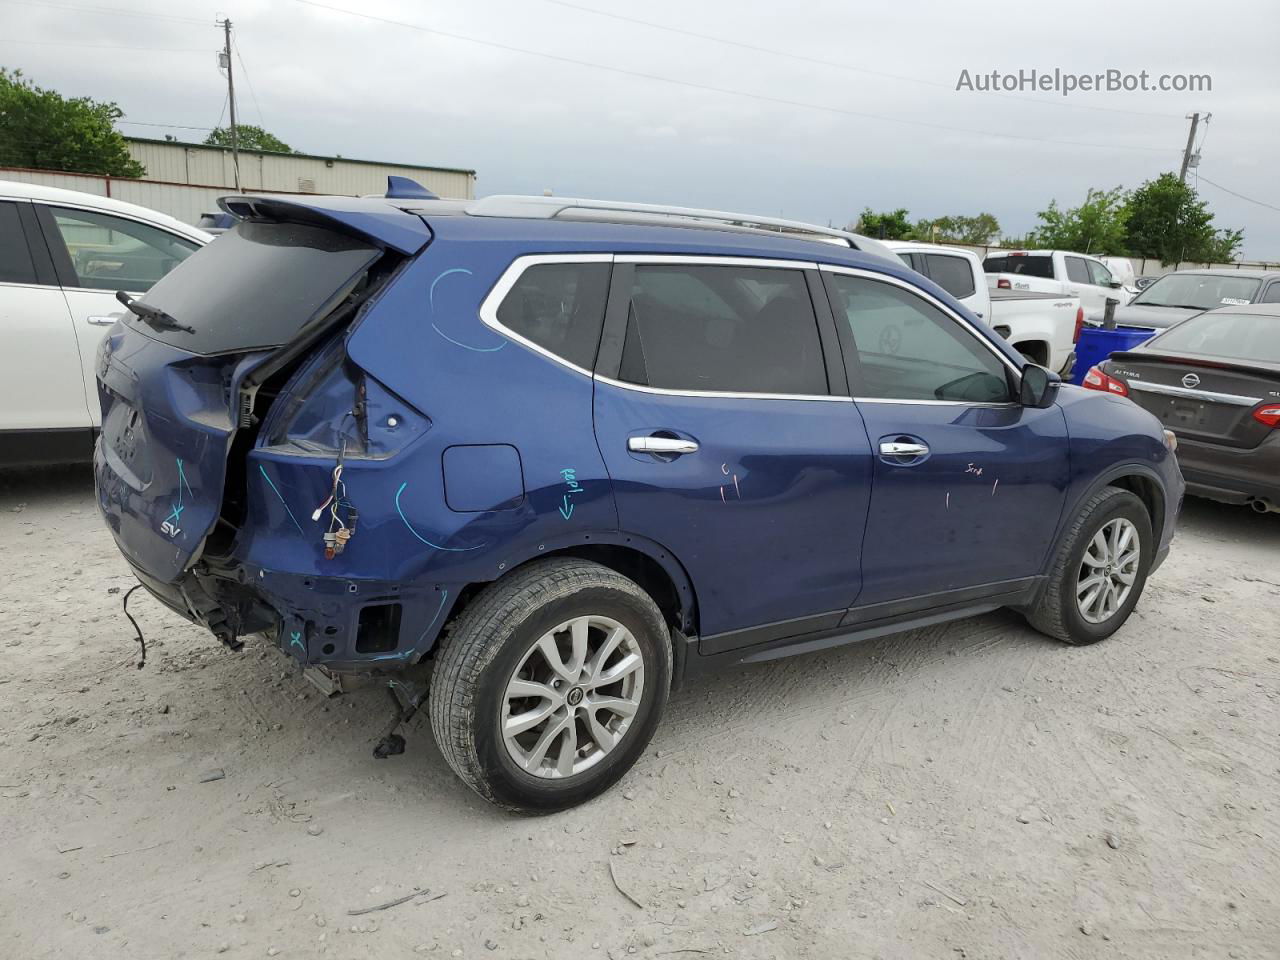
(573, 697)
(1108, 570)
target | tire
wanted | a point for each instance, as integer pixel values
(502, 633)
(1058, 610)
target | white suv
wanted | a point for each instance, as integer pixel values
(63, 256)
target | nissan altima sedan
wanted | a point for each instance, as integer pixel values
(1215, 381)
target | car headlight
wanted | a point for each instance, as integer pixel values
(1171, 440)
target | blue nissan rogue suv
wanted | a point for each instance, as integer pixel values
(564, 454)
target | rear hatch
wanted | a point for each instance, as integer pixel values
(1199, 399)
(237, 316)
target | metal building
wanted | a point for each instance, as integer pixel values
(185, 180)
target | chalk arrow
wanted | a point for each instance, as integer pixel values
(566, 511)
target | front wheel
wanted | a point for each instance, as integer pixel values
(1099, 571)
(550, 685)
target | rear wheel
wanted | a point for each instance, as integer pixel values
(1099, 572)
(550, 685)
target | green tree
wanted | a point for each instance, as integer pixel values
(978, 230)
(251, 138)
(1169, 222)
(1097, 226)
(891, 225)
(43, 130)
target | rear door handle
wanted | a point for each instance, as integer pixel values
(898, 448)
(661, 445)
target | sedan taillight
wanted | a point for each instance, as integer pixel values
(1095, 379)
(1268, 414)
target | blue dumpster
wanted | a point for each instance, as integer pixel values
(1096, 344)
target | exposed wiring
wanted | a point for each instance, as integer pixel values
(337, 504)
(137, 629)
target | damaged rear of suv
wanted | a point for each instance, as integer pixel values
(193, 434)
(531, 461)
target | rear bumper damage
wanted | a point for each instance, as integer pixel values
(346, 626)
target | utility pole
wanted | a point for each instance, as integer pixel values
(1186, 154)
(231, 100)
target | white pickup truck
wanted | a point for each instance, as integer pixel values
(1042, 326)
(1058, 272)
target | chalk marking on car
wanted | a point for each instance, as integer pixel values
(443, 597)
(431, 302)
(282, 500)
(167, 527)
(420, 536)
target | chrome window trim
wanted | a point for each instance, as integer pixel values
(710, 260)
(1234, 399)
(89, 208)
(493, 299)
(489, 313)
(720, 394)
(31, 286)
(994, 405)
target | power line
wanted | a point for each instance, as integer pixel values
(1260, 203)
(112, 11)
(763, 98)
(103, 46)
(175, 126)
(838, 65)
(235, 45)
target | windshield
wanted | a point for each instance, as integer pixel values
(1203, 291)
(256, 287)
(1230, 336)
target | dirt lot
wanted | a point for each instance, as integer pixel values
(967, 791)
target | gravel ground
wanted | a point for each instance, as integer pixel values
(966, 791)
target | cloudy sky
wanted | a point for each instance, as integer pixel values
(811, 111)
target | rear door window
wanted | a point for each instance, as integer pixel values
(1077, 270)
(560, 308)
(257, 286)
(114, 253)
(952, 274)
(726, 328)
(15, 258)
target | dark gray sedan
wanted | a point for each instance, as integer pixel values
(1214, 380)
(1176, 296)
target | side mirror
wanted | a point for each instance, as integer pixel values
(1039, 387)
(1115, 285)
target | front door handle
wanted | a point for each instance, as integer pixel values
(672, 445)
(899, 448)
(103, 321)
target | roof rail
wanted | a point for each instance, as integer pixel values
(549, 208)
